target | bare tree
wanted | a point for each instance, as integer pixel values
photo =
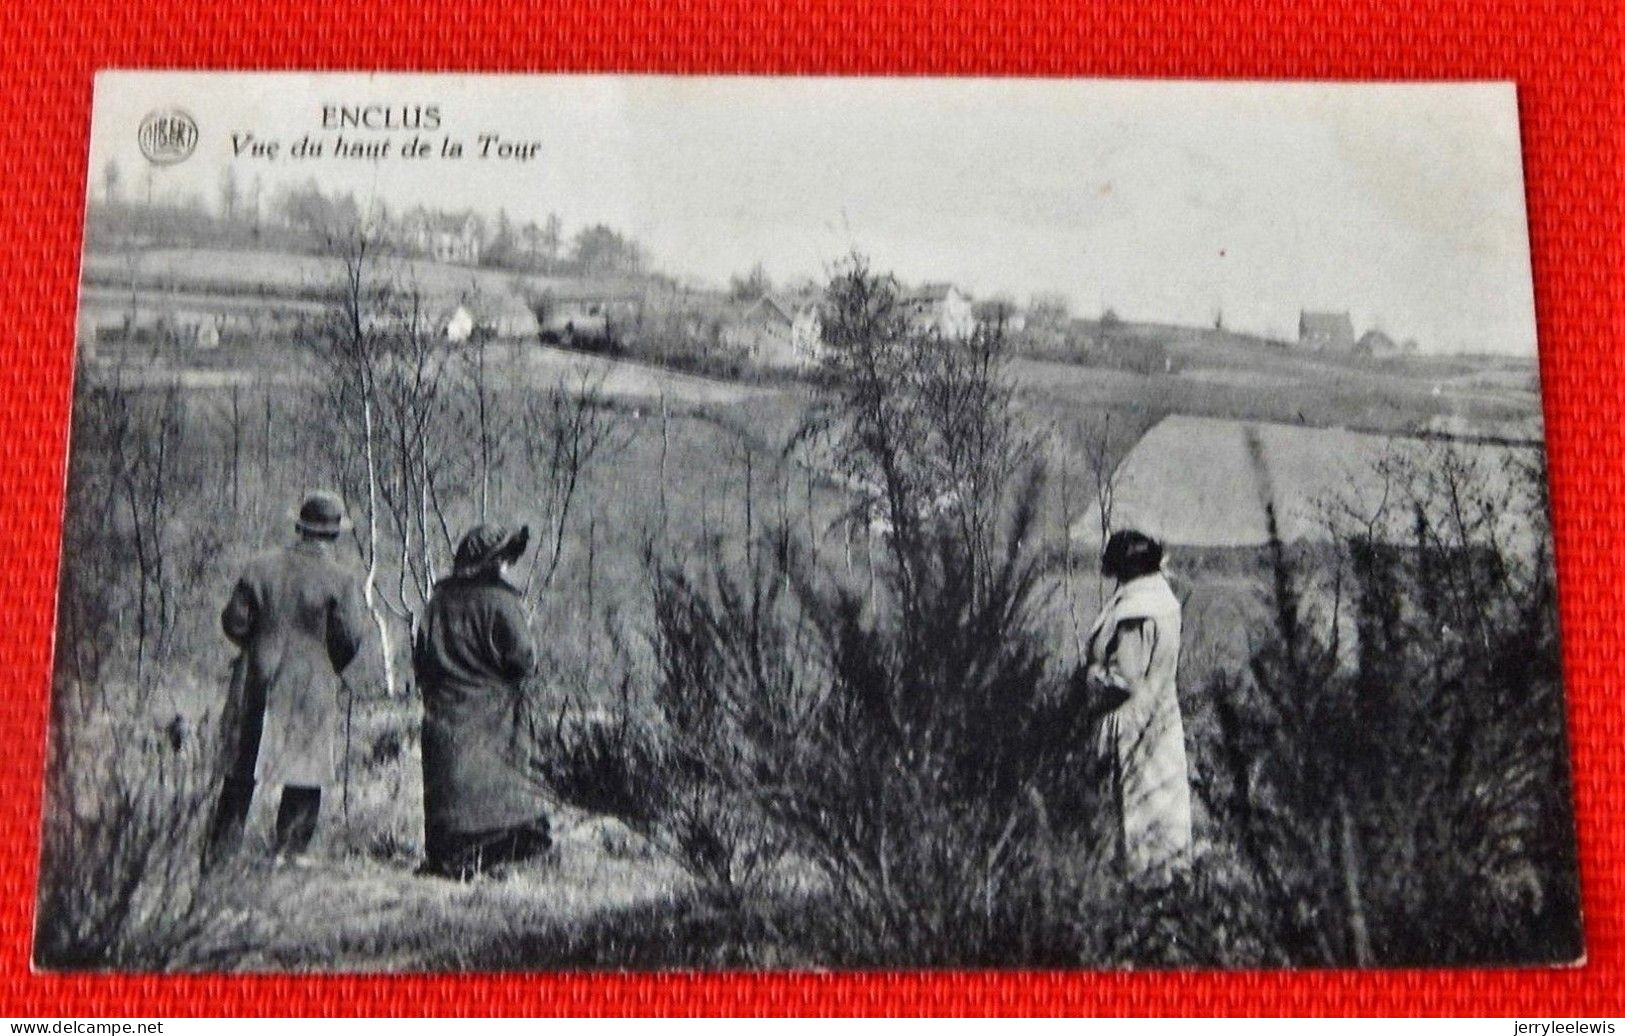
(482, 424)
(255, 192)
(1097, 449)
(552, 239)
(235, 421)
(565, 430)
(412, 388)
(923, 427)
(111, 180)
(230, 195)
(144, 433)
(352, 356)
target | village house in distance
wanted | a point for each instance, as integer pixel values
(1334, 333)
(1325, 332)
(942, 308)
(174, 275)
(777, 330)
(448, 238)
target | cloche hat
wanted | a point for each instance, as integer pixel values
(486, 545)
(322, 514)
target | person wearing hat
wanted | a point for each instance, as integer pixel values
(1132, 666)
(482, 803)
(298, 618)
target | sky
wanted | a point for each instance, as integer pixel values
(1166, 200)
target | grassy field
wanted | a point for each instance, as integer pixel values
(1295, 391)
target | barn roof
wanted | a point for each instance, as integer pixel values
(770, 308)
(1198, 481)
(452, 222)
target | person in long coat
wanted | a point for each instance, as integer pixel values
(298, 618)
(1133, 664)
(483, 805)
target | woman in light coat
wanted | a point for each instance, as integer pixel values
(1133, 661)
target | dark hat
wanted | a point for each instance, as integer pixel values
(1130, 554)
(486, 545)
(322, 514)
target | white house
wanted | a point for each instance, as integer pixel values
(457, 239)
(460, 326)
(940, 308)
(807, 335)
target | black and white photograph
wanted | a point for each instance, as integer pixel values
(555, 522)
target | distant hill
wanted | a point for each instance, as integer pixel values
(1218, 348)
(310, 277)
(1180, 336)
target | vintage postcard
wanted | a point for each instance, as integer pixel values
(539, 522)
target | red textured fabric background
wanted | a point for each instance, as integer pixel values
(1565, 57)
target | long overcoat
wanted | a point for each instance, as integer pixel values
(1134, 651)
(298, 618)
(473, 650)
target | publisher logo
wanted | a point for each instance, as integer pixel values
(167, 136)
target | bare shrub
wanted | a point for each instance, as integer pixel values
(127, 810)
(564, 431)
(911, 743)
(132, 759)
(665, 762)
(1392, 767)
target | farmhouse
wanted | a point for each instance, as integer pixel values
(1325, 332)
(1207, 482)
(807, 333)
(445, 237)
(585, 315)
(199, 329)
(939, 308)
(498, 316)
(457, 239)
(761, 330)
(774, 332)
(460, 325)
